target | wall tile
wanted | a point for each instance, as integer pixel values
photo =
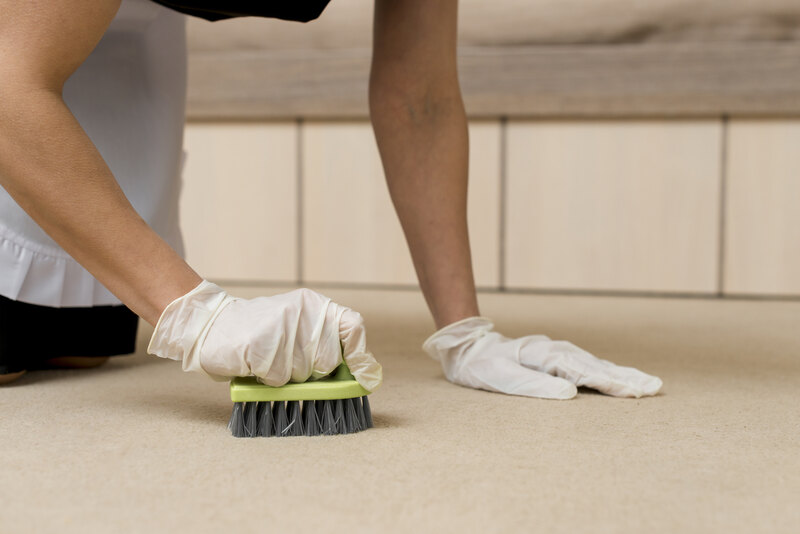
(239, 200)
(613, 205)
(762, 235)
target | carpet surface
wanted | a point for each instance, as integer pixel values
(139, 446)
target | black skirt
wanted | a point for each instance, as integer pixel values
(30, 334)
(298, 10)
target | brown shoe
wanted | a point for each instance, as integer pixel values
(10, 377)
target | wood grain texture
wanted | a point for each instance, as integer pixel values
(238, 206)
(348, 24)
(650, 79)
(613, 205)
(351, 233)
(762, 238)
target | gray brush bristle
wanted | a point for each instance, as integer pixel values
(250, 420)
(328, 422)
(338, 416)
(362, 421)
(295, 426)
(264, 418)
(319, 406)
(279, 419)
(236, 424)
(310, 419)
(351, 416)
(367, 412)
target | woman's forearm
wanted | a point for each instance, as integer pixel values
(420, 127)
(52, 169)
(423, 146)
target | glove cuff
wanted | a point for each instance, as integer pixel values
(455, 334)
(183, 324)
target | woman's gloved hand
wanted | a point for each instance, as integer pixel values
(293, 336)
(473, 355)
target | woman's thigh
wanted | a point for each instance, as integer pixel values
(42, 42)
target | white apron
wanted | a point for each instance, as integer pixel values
(129, 96)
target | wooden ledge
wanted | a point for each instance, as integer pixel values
(691, 80)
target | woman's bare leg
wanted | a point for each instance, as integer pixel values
(52, 169)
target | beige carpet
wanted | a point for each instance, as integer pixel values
(139, 446)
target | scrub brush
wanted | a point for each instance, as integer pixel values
(336, 404)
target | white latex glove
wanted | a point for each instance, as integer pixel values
(293, 336)
(473, 355)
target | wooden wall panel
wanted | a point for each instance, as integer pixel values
(607, 205)
(238, 204)
(762, 237)
(592, 81)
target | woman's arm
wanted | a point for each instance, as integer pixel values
(421, 130)
(52, 169)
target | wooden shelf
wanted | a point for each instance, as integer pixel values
(624, 80)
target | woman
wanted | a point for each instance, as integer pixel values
(58, 177)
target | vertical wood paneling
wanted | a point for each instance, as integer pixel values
(762, 238)
(483, 201)
(239, 202)
(613, 205)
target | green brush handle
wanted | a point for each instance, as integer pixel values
(338, 385)
(342, 373)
